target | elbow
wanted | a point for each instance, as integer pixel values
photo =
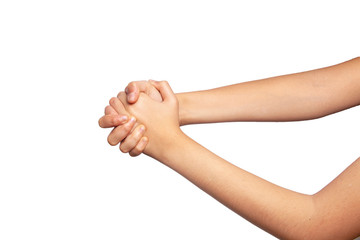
(323, 223)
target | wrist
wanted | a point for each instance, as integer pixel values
(169, 148)
(183, 108)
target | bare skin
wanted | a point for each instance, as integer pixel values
(301, 96)
(332, 213)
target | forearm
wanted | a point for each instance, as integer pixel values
(281, 212)
(334, 212)
(293, 97)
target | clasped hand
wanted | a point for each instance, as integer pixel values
(145, 118)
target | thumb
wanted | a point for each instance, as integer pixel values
(132, 92)
(165, 90)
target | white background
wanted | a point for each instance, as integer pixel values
(60, 63)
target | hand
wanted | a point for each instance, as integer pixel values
(160, 118)
(131, 141)
(126, 130)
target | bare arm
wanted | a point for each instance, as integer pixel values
(299, 96)
(333, 213)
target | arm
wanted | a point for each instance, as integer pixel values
(299, 96)
(334, 212)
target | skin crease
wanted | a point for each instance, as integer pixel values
(332, 213)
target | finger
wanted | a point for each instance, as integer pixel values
(140, 147)
(119, 133)
(108, 121)
(132, 140)
(109, 110)
(122, 97)
(132, 92)
(117, 105)
(165, 90)
(134, 89)
(153, 92)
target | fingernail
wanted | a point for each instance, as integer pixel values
(132, 119)
(126, 90)
(123, 118)
(142, 129)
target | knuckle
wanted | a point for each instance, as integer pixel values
(113, 120)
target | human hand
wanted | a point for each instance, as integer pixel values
(134, 141)
(160, 118)
(126, 131)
